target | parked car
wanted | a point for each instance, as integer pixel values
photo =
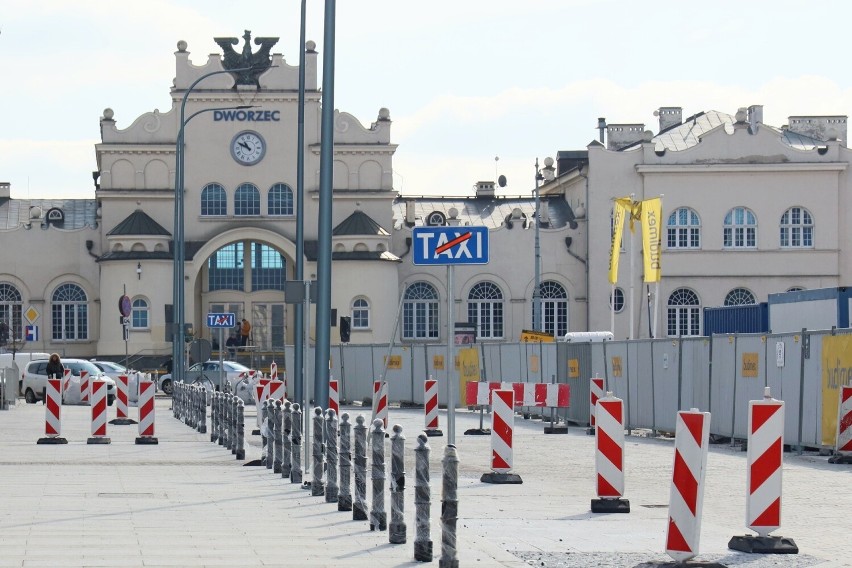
(35, 378)
(110, 368)
(206, 373)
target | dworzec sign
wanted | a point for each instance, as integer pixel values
(450, 245)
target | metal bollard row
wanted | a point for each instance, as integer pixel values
(422, 501)
(241, 430)
(397, 533)
(449, 508)
(277, 431)
(285, 435)
(359, 507)
(263, 410)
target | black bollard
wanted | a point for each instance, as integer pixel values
(241, 431)
(277, 429)
(296, 446)
(422, 501)
(359, 507)
(449, 508)
(317, 488)
(378, 516)
(397, 531)
(285, 439)
(344, 497)
(331, 488)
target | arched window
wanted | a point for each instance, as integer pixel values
(616, 300)
(740, 229)
(10, 313)
(420, 312)
(361, 314)
(683, 229)
(684, 313)
(554, 308)
(795, 289)
(267, 268)
(226, 268)
(70, 311)
(797, 228)
(280, 200)
(247, 200)
(485, 310)
(213, 200)
(139, 314)
(739, 297)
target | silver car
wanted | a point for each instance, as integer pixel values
(207, 374)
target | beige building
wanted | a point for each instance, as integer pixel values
(751, 209)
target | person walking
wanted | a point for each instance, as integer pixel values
(55, 368)
(245, 330)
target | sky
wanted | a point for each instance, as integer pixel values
(475, 88)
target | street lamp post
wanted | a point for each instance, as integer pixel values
(539, 176)
(179, 248)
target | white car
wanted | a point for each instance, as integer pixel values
(206, 373)
(111, 369)
(35, 378)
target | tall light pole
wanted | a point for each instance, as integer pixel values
(179, 252)
(548, 169)
(299, 267)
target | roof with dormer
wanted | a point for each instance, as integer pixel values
(76, 213)
(359, 223)
(138, 223)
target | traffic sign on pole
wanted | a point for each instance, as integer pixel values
(221, 319)
(438, 246)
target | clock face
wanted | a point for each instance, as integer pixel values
(248, 148)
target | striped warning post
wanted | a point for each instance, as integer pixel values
(99, 413)
(146, 413)
(277, 390)
(502, 427)
(765, 456)
(596, 391)
(843, 447)
(66, 381)
(430, 405)
(85, 387)
(609, 456)
(380, 402)
(53, 414)
(273, 371)
(121, 400)
(692, 433)
(333, 396)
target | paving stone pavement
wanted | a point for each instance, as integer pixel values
(188, 502)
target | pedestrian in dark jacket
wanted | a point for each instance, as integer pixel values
(54, 367)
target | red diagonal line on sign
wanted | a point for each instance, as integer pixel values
(497, 461)
(761, 413)
(675, 540)
(447, 246)
(609, 448)
(502, 429)
(605, 489)
(613, 408)
(765, 465)
(846, 393)
(695, 423)
(846, 421)
(771, 517)
(685, 483)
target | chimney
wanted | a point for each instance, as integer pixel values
(5, 190)
(485, 189)
(669, 116)
(619, 136)
(819, 127)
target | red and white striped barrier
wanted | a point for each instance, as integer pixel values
(765, 456)
(843, 446)
(122, 415)
(261, 391)
(53, 413)
(85, 387)
(66, 381)
(479, 393)
(596, 391)
(609, 456)
(333, 397)
(430, 406)
(99, 413)
(380, 401)
(692, 434)
(277, 390)
(502, 429)
(273, 371)
(146, 413)
(540, 395)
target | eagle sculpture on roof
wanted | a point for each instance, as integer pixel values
(258, 62)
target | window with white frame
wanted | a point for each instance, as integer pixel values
(683, 229)
(139, 314)
(683, 313)
(280, 200)
(616, 300)
(797, 228)
(740, 229)
(739, 297)
(213, 200)
(485, 310)
(420, 312)
(69, 309)
(10, 313)
(247, 200)
(361, 314)
(554, 308)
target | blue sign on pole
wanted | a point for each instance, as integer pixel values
(221, 320)
(450, 245)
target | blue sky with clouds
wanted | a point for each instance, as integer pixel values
(465, 80)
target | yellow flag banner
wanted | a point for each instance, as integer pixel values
(836, 364)
(619, 208)
(652, 210)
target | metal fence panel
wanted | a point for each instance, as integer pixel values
(722, 385)
(750, 378)
(694, 370)
(663, 365)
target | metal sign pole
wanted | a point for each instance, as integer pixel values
(451, 404)
(221, 358)
(306, 437)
